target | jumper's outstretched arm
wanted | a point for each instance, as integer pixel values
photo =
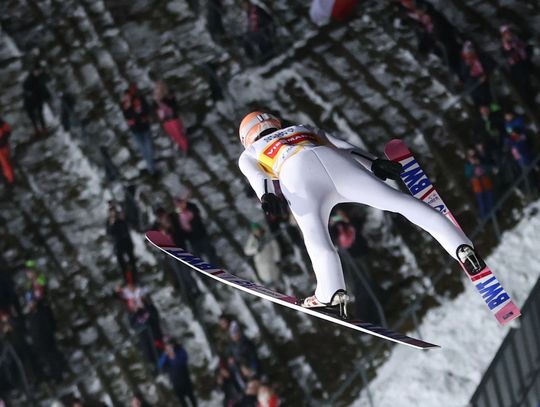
(258, 179)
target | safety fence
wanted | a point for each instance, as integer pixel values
(513, 378)
(13, 370)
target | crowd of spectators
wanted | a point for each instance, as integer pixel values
(501, 145)
(500, 150)
(240, 373)
(28, 327)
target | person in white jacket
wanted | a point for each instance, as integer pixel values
(317, 171)
(265, 252)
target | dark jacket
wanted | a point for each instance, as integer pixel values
(119, 231)
(244, 350)
(35, 91)
(137, 114)
(198, 230)
(41, 327)
(177, 369)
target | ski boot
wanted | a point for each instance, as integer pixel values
(338, 302)
(472, 262)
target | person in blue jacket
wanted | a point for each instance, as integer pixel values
(174, 361)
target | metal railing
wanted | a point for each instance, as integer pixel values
(513, 378)
(9, 360)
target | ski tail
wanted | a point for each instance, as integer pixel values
(420, 186)
(166, 245)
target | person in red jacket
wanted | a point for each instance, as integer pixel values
(166, 109)
(5, 160)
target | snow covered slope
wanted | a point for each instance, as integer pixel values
(469, 336)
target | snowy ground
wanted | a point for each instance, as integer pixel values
(469, 336)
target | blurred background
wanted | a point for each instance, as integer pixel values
(118, 117)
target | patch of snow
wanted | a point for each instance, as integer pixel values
(449, 376)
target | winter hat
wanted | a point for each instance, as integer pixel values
(468, 47)
(504, 28)
(255, 226)
(30, 264)
(336, 218)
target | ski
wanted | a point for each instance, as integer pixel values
(165, 244)
(419, 185)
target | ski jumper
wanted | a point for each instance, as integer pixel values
(317, 172)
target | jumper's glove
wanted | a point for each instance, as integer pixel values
(272, 205)
(386, 169)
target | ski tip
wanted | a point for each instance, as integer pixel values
(159, 239)
(419, 344)
(396, 148)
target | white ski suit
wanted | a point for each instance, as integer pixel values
(316, 172)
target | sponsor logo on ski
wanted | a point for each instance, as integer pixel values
(419, 184)
(415, 179)
(203, 266)
(191, 259)
(492, 292)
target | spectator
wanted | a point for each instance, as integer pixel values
(250, 398)
(67, 112)
(193, 227)
(490, 125)
(166, 109)
(9, 302)
(175, 362)
(513, 123)
(265, 252)
(132, 295)
(479, 175)
(260, 31)
(35, 285)
(241, 350)
(518, 144)
(138, 401)
(266, 396)
(353, 247)
(232, 392)
(35, 95)
(475, 74)
(345, 235)
(131, 208)
(5, 159)
(112, 173)
(434, 32)
(222, 337)
(137, 115)
(518, 60)
(41, 323)
(169, 224)
(118, 229)
(145, 321)
(214, 82)
(214, 22)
